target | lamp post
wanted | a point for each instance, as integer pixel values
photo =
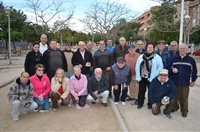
(181, 24)
(187, 29)
(7, 11)
(145, 29)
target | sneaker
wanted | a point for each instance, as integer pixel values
(130, 99)
(93, 102)
(24, 112)
(43, 111)
(184, 114)
(139, 106)
(15, 119)
(54, 109)
(105, 104)
(123, 103)
(35, 110)
(116, 103)
(168, 116)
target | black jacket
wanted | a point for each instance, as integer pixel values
(100, 86)
(32, 59)
(118, 52)
(77, 59)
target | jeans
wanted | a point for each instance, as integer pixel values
(44, 103)
(17, 105)
(104, 96)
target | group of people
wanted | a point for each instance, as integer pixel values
(96, 74)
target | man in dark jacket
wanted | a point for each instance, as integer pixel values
(161, 88)
(53, 58)
(121, 50)
(83, 58)
(98, 87)
(183, 71)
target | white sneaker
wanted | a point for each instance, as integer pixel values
(24, 112)
(116, 103)
(43, 111)
(15, 119)
(123, 103)
(35, 110)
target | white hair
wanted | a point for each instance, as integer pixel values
(77, 67)
(97, 69)
(183, 45)
(173, 42)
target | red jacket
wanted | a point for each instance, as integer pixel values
(40, 87)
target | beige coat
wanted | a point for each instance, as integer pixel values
(55, 85)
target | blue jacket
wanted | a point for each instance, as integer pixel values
(166, 57)
(157, 65)
(157, 91)
(111, 48)
(187, 70)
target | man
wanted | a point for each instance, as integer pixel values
(174, 49)
(98, 87)
(54, 58)
(89, 47)
(140, 47)
(160, 88)
(121, 50)
(20, 96)
(120, 78)
(83, 58)
(131, 59)
(43, 43)
(183, 71)
(110, 46)
(164, 54)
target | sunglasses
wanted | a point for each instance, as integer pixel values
(163, 75)
(40, 70)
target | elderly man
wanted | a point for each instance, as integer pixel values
(174, 49)
(43, 43)
(89, 47)
(164, 54)
(121, 50)
(120, 78)
(54, 58)
(140, 47)
(183, 71)
(83, 58)
(21, 96)
(98, 87)
(162, 89)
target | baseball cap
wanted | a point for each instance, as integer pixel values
(131, 46)
(120, 60)
(163, 71)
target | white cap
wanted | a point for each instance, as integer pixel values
(163, 71)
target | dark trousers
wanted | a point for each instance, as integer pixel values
(143, 84)
(182, 99)
(55, 97)
(118, 92)
(167, 109)
(81, 102)
(106, 74)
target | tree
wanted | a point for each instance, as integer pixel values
(195, 38)
(45, 11)
(103, 16)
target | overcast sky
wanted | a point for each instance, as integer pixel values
(137, 7)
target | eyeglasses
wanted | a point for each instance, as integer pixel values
(163, 75)
(40, 70)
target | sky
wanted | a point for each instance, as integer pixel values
(137, 7)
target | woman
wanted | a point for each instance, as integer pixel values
(147, 68)
(41, 88)
(59, 89)
(33, 58)
(78, 87)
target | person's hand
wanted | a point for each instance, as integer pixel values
(97, 100)
(192, 84)
(154, 106)
(59, 101)
(40, 97)
(174, 70)
(80, 65)
(95, 93)
(76, 98)
(21, 98)
(116, 87)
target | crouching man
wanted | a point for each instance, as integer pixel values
(98, 87)
(162, 92)
(20, 96)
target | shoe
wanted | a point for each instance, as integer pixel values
(139, 107)
(116, 103)
(130, 99)
(35, 110)
(149, 107)
(15, 119)
(168, 116)
(123, 103)
(184, 114)
(105, 104)
(173, 110)
(93, 102)
(136, 102)
(24, 112)
(54, 109)
(43, 111)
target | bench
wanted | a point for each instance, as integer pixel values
(5, 53)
